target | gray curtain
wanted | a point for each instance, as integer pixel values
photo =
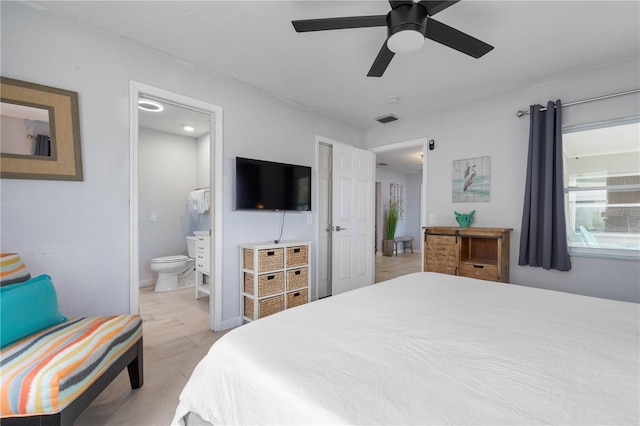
(43, 146)
(543, 242)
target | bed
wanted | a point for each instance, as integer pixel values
(426, 348)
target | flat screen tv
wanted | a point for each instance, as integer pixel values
(265, 185)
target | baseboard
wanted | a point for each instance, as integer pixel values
(230, 323)
(379, 253)
(147, 283)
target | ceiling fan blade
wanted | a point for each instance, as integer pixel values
(306, 25)
(396, 3)
(382, 62)
(434, 7)
(444, 34)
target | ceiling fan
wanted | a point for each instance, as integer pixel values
(408, 23)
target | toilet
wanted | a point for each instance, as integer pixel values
(170, 268)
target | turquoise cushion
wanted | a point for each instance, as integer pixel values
(27, 308)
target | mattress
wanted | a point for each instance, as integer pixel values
(45, 372)
(426, 348)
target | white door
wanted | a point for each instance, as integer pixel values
(353, 218)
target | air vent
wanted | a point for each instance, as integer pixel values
(386, 118)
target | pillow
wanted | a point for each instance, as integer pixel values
(27, 308)
(12, 269)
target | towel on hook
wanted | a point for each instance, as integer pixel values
(198, 201)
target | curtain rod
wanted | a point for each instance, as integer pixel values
(522, 113)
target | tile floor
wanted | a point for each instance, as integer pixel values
(176, 337)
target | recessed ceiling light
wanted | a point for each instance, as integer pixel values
(149, 105)
(187, 128)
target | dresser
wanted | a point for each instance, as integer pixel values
(469, 252)
(203, 263)
(273, 277)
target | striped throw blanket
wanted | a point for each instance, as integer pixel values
(46, 371)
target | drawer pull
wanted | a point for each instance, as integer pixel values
(478, 266)
(270, 277)
(297, 273)
(271, 253)
(296, 294)
(296, 250)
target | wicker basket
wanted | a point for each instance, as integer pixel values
(267, 283)
(297, 278)
(297, 298)
(268, 259)
(266, 307)
(297, 256)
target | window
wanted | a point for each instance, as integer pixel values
(602, 188)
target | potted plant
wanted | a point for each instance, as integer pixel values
(392, 215)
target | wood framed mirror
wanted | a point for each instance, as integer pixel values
(40, 132)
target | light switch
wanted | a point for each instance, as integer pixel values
(154, 217)
(432, 219)
(309, 219)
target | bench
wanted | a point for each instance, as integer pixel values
(407, 242)
(52, 367)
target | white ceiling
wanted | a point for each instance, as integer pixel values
(23, 112)
(254, 41)
(406, 160)
(173, 117)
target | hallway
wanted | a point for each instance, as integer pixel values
(388, 267)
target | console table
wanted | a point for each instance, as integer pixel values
(471, 252)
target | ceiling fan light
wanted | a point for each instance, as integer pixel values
(405, 41)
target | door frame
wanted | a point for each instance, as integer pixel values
(316, 201)
(424, 142)
(315, 191)
(216, 162)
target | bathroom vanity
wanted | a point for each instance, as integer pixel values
(203, 263)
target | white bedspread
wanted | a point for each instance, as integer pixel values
(427, 349)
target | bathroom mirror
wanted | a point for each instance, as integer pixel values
(40, 132)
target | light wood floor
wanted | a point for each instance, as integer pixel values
(176, 337)
(388, 267)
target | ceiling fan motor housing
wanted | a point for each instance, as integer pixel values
(407, 18)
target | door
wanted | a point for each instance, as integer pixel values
(353, 211)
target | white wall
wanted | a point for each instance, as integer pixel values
(386, 177)
(202, 222)
(203, 165)
(490, 128)
(167, 173)
(412, 205)
(410, 223)
(78, 232)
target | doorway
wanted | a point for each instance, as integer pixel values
(345, 222)
(214, 115)
(401, 173)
